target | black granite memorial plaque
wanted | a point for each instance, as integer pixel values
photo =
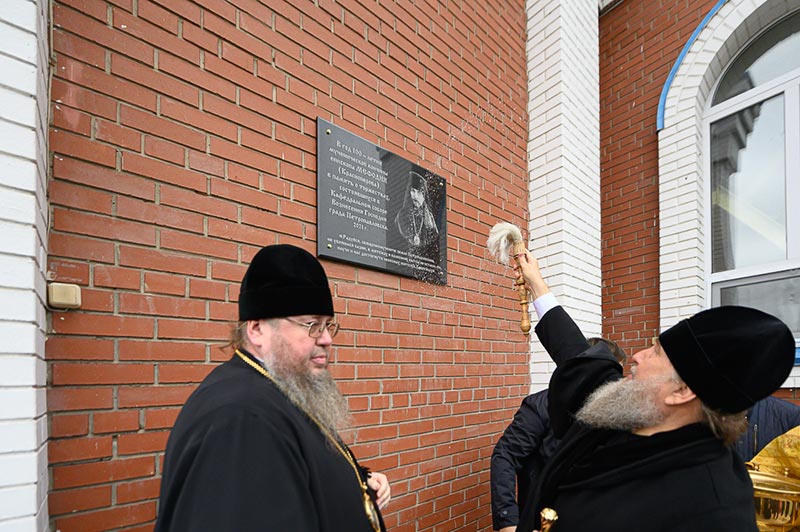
(376, 209)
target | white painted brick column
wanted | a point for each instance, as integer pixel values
(24, 104)
(564, 160)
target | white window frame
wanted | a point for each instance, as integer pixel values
(788, 85)
(714, 44)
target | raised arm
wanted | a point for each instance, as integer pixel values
(559, 335)
(581, 368)
(529, 268)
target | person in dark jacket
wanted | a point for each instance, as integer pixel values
(521, 452)
(652, 452)
(256, 447)
(768, 419)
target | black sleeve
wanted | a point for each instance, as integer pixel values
(518, 444)
(581, 368)
(560, 336)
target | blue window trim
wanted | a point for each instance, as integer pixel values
(797, 356)
(667, 84)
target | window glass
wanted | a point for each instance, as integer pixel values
(780, 297)
(773, 54)
(748, 191)
(753, 156)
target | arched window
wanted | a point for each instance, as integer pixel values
(753, 132)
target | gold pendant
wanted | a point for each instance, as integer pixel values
(372, 513)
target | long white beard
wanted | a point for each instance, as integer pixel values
(625, 404)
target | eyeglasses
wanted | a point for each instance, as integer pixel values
(316, 328)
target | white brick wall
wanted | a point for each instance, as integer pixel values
(24, 103)
(564, 160)
(681, 158)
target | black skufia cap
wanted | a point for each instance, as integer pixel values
(730, 356)
(284, 280)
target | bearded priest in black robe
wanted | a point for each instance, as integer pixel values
(256, 447)
(652, 453)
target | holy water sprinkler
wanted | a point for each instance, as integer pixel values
(505, 241)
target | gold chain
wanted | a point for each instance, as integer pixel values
(369, 506)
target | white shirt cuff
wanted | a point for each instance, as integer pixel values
(544, 303)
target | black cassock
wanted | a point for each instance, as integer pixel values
(241, 457)
(683, 480)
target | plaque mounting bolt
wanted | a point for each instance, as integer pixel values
(328, 131)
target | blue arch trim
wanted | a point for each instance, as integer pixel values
(667, 84)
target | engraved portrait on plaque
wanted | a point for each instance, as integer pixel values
(377, 209)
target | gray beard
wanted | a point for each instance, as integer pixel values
(315, 394)
(625, 404)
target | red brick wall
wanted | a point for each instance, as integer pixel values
(183, 139)
(639, 44)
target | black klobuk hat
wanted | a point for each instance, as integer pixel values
(730, 356)
(284, 280)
